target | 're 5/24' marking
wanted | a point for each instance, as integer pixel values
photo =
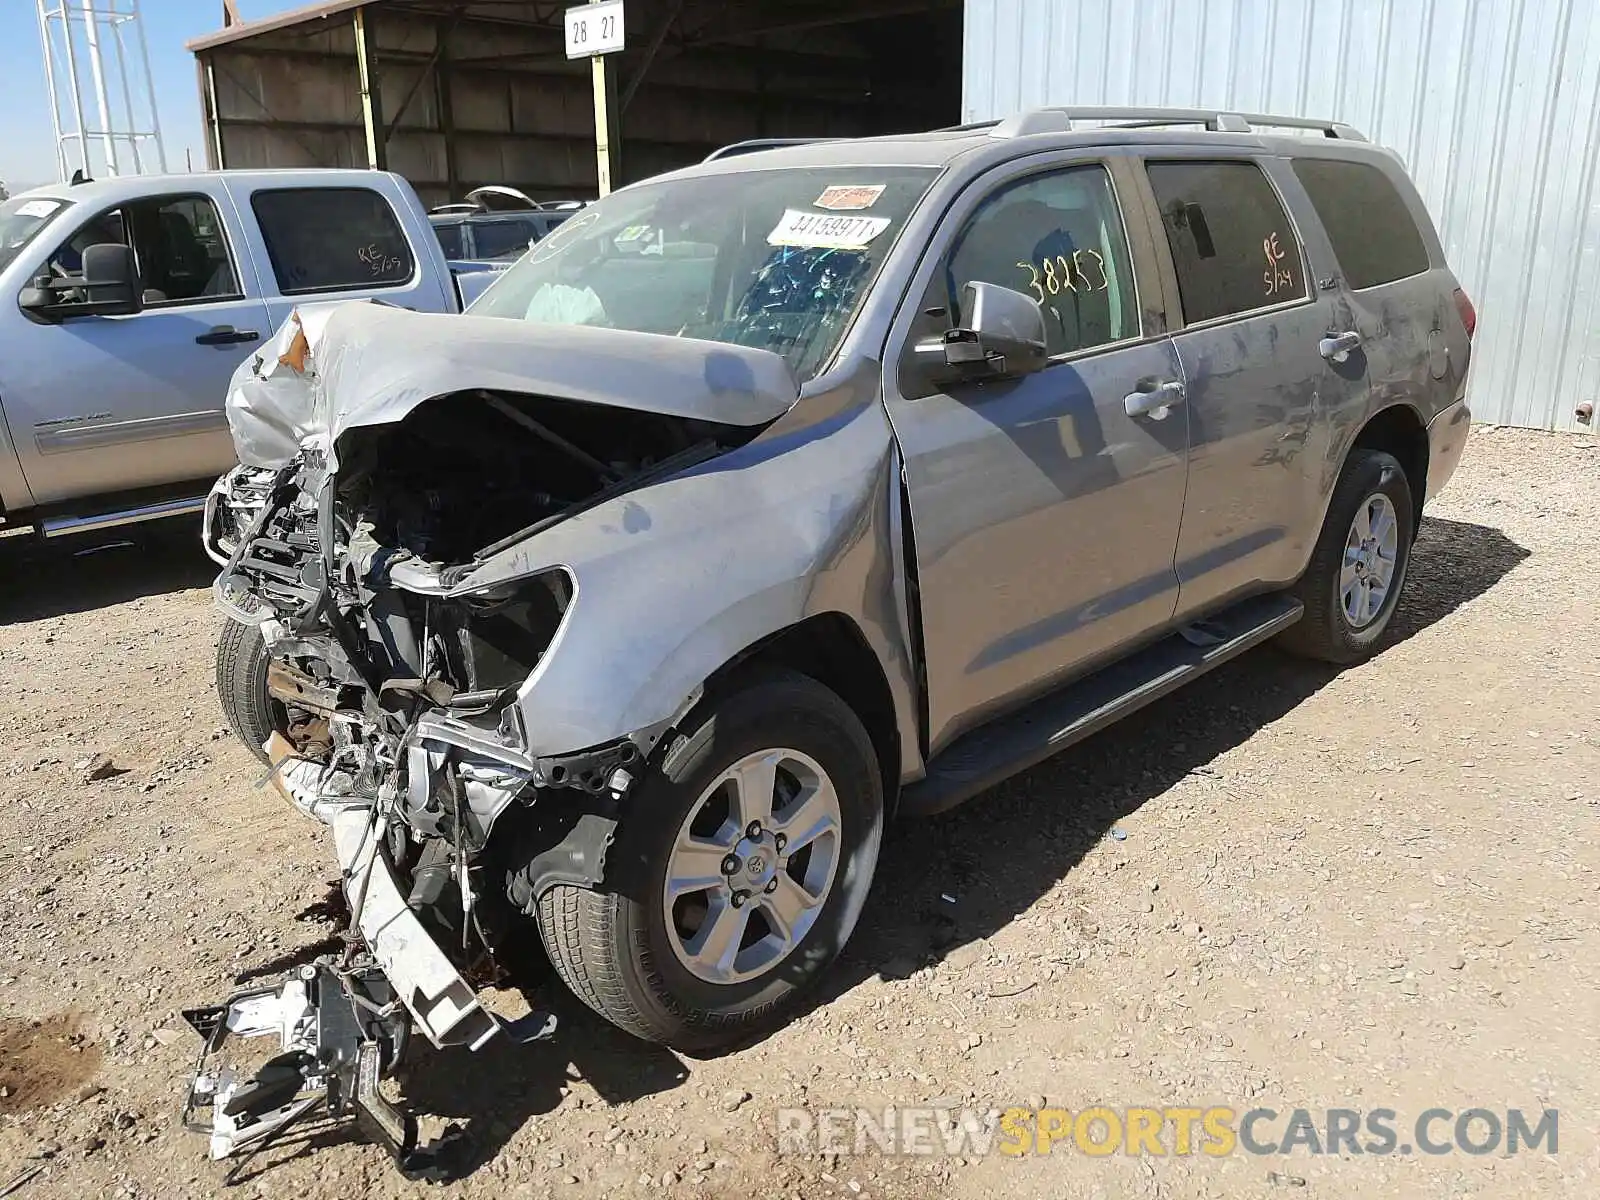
(1057, 273)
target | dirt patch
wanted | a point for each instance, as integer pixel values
(42, 1062)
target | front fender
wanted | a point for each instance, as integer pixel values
(679, 578)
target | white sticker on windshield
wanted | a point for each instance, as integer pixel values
(826, 232)
(38, 208)
(848, 197)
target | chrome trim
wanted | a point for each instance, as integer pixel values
(62, 526)
(68, 438)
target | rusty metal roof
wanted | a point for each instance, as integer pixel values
(297, 16)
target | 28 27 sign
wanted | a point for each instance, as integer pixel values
(595, 29)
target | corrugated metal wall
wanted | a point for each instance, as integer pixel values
(1493, 104)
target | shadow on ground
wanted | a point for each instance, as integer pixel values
(1006, 849)
(89, 571)
(996, 856)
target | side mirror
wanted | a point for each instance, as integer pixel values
(1003, 338)
(1005, 331)
(109, 287)
(111, 279)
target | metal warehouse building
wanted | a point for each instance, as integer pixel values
(457, 93)
(1493, 104)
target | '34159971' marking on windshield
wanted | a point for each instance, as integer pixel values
(826, 230)
(1054, 274)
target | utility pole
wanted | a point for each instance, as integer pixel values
(594, 31)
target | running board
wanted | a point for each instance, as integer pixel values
(62, 526)
(984, 757)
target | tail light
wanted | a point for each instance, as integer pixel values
(1469, 315)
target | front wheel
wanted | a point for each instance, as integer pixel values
(737, 876)
(242, 661)
(1352, 585)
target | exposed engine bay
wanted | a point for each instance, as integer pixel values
(395, 682)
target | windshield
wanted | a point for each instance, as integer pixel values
(777, 259)
(20, 221)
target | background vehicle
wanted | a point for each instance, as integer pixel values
(495, 226)
(886, 469)
(126, 304)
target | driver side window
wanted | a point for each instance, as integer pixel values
(1057, 237)
(178, 243)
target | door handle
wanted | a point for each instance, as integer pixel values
(1154, 402)
(227, 335)
(1336, 347)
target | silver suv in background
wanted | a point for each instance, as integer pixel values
(767, 499)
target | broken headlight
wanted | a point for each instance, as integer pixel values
(489, 642)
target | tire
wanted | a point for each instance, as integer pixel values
(625, 951)
(1373, 482)
(242, 687)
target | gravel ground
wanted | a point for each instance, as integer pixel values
(1284, 887)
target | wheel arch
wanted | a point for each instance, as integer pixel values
(830, 648)
(1400, 430)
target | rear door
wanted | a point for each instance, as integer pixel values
(343, 241)
(1044, 517)
(1403, 304)
(104, 404)
(1261, 395)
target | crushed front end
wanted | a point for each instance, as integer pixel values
(394, 680)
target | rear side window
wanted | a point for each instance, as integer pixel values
(504, 239)
(450, 239)
(1374, 235)
(1232, 243)
(332, 239)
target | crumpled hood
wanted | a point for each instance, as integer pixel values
(334, 367)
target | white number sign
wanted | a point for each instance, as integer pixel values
(594, 29)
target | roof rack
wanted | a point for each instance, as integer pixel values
(754, 144)
(1059, 120)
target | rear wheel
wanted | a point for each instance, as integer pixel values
(1352, 585)
(242, 687)
(738, 876)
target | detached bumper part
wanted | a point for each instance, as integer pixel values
(338, 1032)
(342, 1028)
(444, 1006)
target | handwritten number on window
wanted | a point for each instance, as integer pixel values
(381, 264)
(1277, 276)
(1054, 275)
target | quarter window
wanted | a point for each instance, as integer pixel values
(1232, 244)
(332, 239)
(1057, 237)
(1373, 233)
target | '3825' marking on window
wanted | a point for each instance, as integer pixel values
(1055, 274)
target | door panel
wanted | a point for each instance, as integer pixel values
(1044, 518)
(1260, 394)
(105, 404)
(1404, 305)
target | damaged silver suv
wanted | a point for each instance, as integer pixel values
(767, 499)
